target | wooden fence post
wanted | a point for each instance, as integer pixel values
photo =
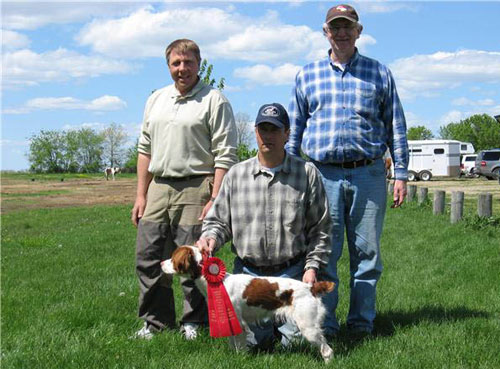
(390, 187)
(485, 205)
(438, 207)
(412, 189)
(422, 195)
(457, 206)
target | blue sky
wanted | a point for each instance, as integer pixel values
(67, 65)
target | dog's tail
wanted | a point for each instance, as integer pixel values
(320, 288)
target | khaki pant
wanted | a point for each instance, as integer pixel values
(170, 220)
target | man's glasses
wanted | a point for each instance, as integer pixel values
(334, 30)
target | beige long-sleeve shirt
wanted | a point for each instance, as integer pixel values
(188, 135)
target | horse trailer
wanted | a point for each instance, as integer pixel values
(429, 158)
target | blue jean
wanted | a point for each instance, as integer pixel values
(357, 200)
(263, 333)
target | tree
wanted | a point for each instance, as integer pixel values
(131, 158)
(419, 133)
(114, 139)
(47, 152)
(243, 131)
(482, 130)
(90, 150)
(206, 75)
(244, 152)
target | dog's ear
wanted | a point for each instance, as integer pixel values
(184, 262)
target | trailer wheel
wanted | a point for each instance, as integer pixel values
(412, 176)
(425, 175)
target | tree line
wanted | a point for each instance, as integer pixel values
(482, 130)
(88, 151)
(78, 151)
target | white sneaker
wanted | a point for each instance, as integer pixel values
(144, 333)
(189, 331)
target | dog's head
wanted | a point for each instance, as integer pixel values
(185, 261)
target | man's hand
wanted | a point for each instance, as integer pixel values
(206, 245)
(205, 210)
(399, 192)
(309, 276)
(138, 209)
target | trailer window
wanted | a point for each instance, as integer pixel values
(415, 150)
(438, 151)
(463, 147)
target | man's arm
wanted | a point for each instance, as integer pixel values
(318, 227)
(218, 177)
(216, 228)
(144, 177)
(396, 124)
(298, 112)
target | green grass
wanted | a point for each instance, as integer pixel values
(35, 194)
(69, 298)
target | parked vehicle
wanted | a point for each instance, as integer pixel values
(430, 158)
(468, 165)
(488, 163)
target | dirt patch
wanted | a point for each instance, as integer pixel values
(27, 194)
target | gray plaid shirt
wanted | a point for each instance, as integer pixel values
(272, 218)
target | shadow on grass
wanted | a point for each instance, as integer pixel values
(386, 324)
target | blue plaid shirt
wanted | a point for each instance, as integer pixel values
(341, 116)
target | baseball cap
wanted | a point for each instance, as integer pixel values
(273, 113)
(342, 11)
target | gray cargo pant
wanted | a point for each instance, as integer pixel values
(170, 220)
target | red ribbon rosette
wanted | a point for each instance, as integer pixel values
(221, 316)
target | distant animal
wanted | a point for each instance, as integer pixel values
(257, 298)
(388, 165)
(109, 171)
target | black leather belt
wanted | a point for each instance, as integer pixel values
(180, 179)
(272, 269)
(353, 164)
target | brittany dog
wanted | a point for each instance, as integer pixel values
(258, 298)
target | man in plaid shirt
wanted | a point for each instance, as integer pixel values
(344, 115)
(274, 209)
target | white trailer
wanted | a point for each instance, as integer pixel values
(430, 158)
(466, 148)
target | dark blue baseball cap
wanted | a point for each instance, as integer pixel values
(273, 113)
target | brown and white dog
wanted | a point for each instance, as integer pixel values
(257, 298)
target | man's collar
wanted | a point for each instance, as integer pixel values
(351, 62)
(257, 167)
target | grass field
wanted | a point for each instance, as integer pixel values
(69, 298)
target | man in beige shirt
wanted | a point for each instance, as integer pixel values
(187, 144)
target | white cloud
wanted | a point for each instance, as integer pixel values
(265, 75)
(452, 116)
(464, 101)
(146, 33)
(382, 6)
(426, 75)
(14, 40)
(29, 15)
(27, 68)
(100, 104)
(221, 33)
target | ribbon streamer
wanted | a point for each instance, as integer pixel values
(221, 316)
